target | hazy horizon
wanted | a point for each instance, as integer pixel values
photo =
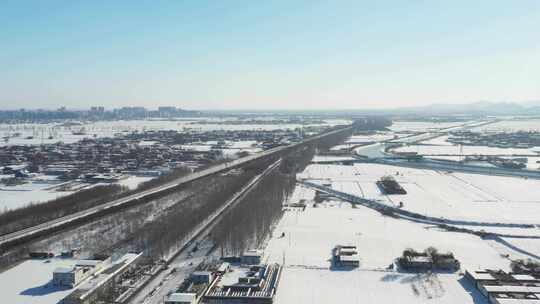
(262, 56)
(525, 104)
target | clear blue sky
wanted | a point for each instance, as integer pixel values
(267, 54)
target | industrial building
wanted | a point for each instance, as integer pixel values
(103, 275)
(72, 276)
(245, 284)
(193, 288)
(501, 287)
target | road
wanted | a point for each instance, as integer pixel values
(168, 280)
(31, 232)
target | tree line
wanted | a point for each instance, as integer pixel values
(34, 214)
(254, 215)
(37, 213)
(250, 222)
(161, 236)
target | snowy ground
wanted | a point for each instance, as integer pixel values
(422, 126)
(30, 282)
(40, 133)
(132, 182)
(372, 151)
(233, 147)
(362, 139)
(512, 126)
(440, 149)
(439, 141)
(330, 158)
(13, 197)
(457, 150)
(315, 286)
(310, 235)
(42, 189)
(459, 196)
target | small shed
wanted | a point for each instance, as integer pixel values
(67, 276)
(202, 277)
(252, 257)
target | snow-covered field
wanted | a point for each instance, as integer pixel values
(438, 141)
(329, 158)
(362, 139)
(13, 197)
(31, 282)
(324, 286)
(458, 196)
(512, 126)
(310, 235)
(480, 150)
(38, 191)
(232, 147)
(40, 133)
(422, 126)
(132, 182)
(440, 149)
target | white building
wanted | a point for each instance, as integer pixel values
(181, 298)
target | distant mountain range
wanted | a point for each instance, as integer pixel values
(476, 108)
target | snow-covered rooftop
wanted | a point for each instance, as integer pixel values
(31, 282)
